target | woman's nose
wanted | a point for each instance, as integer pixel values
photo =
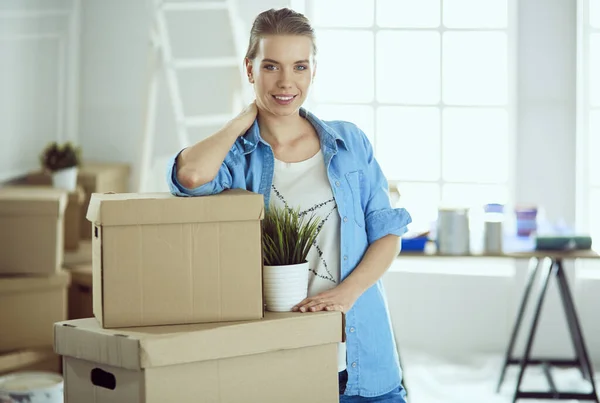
(285, 80)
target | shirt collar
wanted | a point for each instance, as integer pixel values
(328, 136)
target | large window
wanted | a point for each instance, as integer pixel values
(589, 118)
(431, 83)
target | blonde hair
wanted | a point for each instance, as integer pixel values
(279, 22)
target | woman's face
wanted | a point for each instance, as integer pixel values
(282, 73)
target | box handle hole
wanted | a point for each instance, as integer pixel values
(96, 231)
(103, 379)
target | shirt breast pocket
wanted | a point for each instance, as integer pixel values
(355, 182)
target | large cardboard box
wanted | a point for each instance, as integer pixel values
(73, 219)
(41, 359)
(285, 357)
(29, 307)
(94, 177)
(31, 229)
(160, 259)
(80, 292)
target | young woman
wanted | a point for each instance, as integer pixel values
(277, 148)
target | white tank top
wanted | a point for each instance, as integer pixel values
(305, 185)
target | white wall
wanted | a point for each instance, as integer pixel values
(39, 64)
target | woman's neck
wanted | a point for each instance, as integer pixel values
(280, 130)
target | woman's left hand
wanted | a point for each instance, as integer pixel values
(340, 298)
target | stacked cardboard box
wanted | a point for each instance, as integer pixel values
(32, 283)
(177, 300)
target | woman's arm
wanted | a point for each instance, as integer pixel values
(200, 163)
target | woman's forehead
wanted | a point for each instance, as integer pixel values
(285, 48)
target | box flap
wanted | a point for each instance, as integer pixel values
(21, 283)
(155, 346)
(160, 208)
(32, 200)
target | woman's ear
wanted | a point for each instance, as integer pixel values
(248, 65)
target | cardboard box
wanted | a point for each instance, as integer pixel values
(94, 177)
(160, 259)
(42, 359)
(31, 229)
(29, 307)
(83, 255)
(73, 219)
(80, 292)
(285, 357)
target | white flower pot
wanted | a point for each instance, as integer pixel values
(31, 387)
(65, 179)
(284, 286)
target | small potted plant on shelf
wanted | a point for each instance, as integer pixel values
(287, 238)
(62, 162)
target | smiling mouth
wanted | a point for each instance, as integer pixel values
(284, 98)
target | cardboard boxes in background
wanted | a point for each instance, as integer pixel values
(73, 219)
(80, 292)
(31, 230)
(29, 306)
(160, 259)
(263, 361)
(93, 177)
(35, 359)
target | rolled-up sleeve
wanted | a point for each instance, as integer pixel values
(381, 219)
(217, 185)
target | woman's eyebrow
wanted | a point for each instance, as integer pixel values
(276, 62)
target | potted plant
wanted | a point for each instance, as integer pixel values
(62, 162)
(287, 238)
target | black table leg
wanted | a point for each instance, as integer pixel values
(548, 267)
(585, 363)
(531, 273)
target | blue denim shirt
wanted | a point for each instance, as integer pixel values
(361, 193)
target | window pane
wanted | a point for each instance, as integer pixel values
(595, 69)
(408, 143)
(362, 116)
(594, 149)
(408, 67)
(475, 13)
(595, 13)
(421, 200)
(338, 78)
(475, 68)
(475, 145)
(408, 13)
(342, 13)
(474, 195)
(595, 218)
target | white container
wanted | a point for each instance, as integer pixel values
(65, 179)
(284, 286)
(31, 387)
(453, 231)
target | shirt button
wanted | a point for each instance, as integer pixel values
(351, 330)
(345, 219)
(353, 365)
(337, 183)
(345, 257)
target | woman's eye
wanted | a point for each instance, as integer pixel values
(269, 67)
(301, 67)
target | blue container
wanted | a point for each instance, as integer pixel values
(414, 244)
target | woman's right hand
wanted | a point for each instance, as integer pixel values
(246, 118)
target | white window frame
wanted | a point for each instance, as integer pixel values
(584, 186)
(511, 105)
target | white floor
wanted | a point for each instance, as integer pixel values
(433, 380)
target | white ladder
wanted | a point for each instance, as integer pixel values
(164, 60)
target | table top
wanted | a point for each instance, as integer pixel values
(555, 254)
